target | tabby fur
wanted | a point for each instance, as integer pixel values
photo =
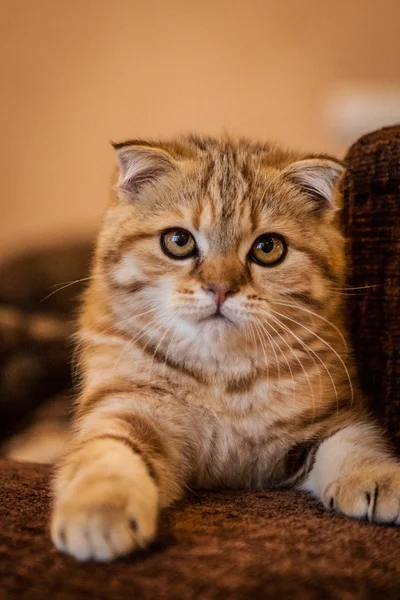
(175, 395)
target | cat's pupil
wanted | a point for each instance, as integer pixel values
(180, 238)
(266, 245)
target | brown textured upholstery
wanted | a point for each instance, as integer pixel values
(245, 545)
(372, 224)
(212, 546)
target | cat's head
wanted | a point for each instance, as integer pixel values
(206, 237)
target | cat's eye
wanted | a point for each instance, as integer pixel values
(268, 250)
(178, 243)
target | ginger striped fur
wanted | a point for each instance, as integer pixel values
(212, 347)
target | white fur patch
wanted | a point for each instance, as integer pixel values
(127, 270)
(337, 453)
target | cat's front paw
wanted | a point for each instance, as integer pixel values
(103, 519)
(371, 493)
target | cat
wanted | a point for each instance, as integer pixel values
(211, 346)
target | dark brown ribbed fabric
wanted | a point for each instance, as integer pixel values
(212, 546)
(371, 215)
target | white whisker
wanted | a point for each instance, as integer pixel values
(287, 362)
(156, 350)
(264, 350)
(146, 329)
(315, 315)
(297, 359)
(361, 287)
(326, 344)
(310, 350)
(65, 285)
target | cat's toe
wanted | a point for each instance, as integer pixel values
(386, 506)
(372, 494)
(349, 498)
(98, 533)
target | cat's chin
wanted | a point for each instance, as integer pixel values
(218, 332)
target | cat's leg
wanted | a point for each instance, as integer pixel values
(356, 475)
(122, 467)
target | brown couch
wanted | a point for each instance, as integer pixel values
(245, 545)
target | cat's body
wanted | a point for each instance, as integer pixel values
(211, 348)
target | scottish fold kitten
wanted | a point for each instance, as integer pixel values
(212, 350)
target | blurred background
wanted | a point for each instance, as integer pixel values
(77, 73)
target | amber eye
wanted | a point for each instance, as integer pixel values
(268, 250)
(178, 243)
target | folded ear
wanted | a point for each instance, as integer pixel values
(140, 163)
(316, 178)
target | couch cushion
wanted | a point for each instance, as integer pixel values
(371, 189)
(236, 545)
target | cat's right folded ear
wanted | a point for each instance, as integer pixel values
(139, 164)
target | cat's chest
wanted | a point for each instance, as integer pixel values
(240, 445)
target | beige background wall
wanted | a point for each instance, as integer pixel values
(76, 73)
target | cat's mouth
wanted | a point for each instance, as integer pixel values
(217, 316)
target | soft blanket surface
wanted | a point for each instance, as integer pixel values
(234, 545)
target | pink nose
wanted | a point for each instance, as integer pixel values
(220, 292)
